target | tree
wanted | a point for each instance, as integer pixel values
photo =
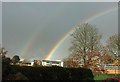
(5, 60)
(3, 52)
(113, 45)
(86, 46)
(85, 39)
(71, 63)
(15, 59)
(37, 63)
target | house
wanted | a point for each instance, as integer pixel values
(52, 63)
(23, 62)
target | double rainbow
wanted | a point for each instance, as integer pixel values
(51, 53)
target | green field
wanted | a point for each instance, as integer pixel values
(104, 76)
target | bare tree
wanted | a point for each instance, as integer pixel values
(85, 39)
(113, 45)
(71, 63)
(86, 46)
(3, 58)
(3, 52)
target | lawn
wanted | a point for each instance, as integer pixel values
(104, 76)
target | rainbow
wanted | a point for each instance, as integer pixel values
(29, 45)
(67, 34)
(57, 45)
(34, 36)
(32, 40)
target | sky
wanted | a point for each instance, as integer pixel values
(33, 29)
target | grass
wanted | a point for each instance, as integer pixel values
(105, 76)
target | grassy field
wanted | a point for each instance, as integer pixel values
(104, 76)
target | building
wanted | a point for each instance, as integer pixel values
(112, 69)
(52, 63)
(24, 62)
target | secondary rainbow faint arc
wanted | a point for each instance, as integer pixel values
(67, 34)
(29, 44)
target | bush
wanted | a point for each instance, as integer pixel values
(20, 76)
(80, 74)
(49, 73)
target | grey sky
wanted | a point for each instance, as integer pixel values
(34, 28)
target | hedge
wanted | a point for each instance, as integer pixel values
(48, 73)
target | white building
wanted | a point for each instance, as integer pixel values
(52, 63)
(32, 63)
(23, 62)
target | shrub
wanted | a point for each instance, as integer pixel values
(49, 73)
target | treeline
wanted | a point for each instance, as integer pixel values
(45, 73)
